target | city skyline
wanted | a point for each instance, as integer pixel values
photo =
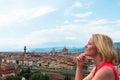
(70, 23)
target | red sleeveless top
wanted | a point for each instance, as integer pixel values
(111, 65)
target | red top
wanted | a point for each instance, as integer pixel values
(111, 65)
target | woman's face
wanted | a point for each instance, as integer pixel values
(91, 49)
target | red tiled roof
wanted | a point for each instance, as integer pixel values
(6, 70)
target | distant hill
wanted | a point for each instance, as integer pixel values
(117, 44)
(59, 49)
(70, 49)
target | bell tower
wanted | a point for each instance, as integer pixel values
(24, 49)
(25, 54)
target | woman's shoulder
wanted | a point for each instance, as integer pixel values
(106, 69)
(105, 73)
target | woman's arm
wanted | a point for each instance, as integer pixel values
(90, 76)
(79, 73)
(80, 60)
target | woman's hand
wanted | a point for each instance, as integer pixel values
(80, 60)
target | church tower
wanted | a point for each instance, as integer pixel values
(53, 51)
(64, 51)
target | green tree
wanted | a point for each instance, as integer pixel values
(26, 73)
(39, 76)
(46, 77)
(67, 78)
(14, 78)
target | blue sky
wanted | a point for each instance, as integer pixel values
(58, 23)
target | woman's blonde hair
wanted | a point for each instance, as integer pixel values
(105, 47)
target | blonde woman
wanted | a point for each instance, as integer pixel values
(102, 50)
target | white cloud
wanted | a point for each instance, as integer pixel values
(66, 22)
(77, 4)
(78, 33)
(42, 10)
(70, 38)
(7, 41)
(98, 22)
(18, 15)
(80, 20)
(79, 15)
(40, 37)
(118, 22)
(115, 35)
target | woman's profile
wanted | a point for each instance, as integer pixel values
(101, 49)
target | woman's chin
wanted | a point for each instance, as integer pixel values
(87, 54)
